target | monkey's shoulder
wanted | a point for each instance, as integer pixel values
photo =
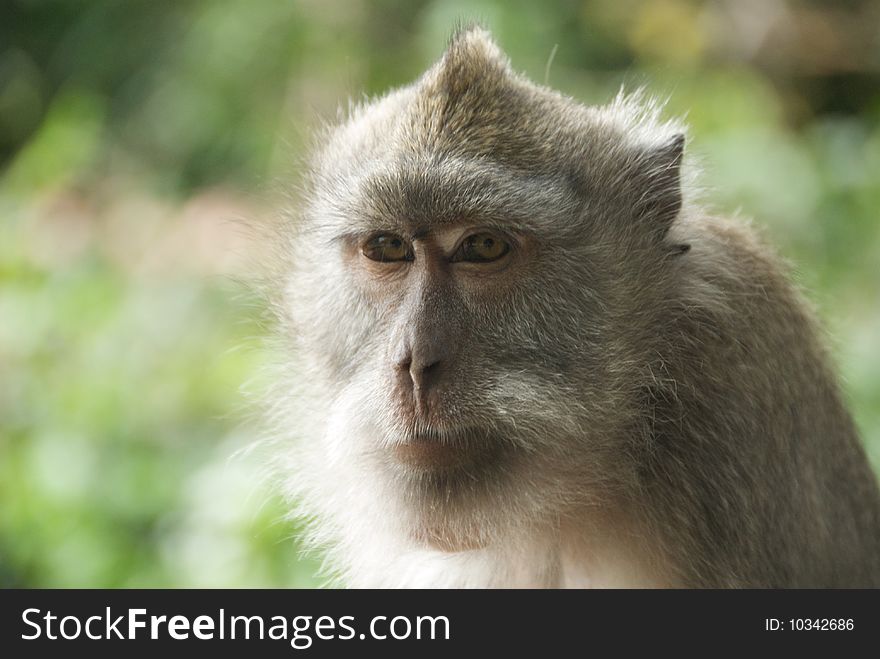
(736, 263)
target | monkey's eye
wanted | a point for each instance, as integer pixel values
(387, 247)
(481, 248)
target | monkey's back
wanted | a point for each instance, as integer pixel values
(753, 456)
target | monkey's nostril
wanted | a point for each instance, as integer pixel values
(422, 375)
(418, 366)
(403, 360)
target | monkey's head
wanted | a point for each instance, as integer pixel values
(471, 290)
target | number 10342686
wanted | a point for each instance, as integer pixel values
(809, 624)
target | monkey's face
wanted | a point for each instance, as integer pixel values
(463, 300)
(459, 352)
(441, 295)
(436, 282)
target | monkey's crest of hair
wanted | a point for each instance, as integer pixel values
(472, 103)
(654, 395)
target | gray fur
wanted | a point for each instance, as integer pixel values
(662, 403)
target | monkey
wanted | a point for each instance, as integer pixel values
(519, 352)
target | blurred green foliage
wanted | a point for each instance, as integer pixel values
(132, 132)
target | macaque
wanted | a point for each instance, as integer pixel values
(520, 354)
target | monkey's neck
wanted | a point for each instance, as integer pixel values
(490, 567)
(562, 557)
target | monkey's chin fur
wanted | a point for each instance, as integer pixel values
(450, 485)
(450, 538)
(449, 529)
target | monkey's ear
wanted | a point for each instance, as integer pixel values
(660, 180)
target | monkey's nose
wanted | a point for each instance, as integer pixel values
(419, 371)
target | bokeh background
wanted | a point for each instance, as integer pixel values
(134, 135)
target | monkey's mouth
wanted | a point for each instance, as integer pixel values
(446, 451)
